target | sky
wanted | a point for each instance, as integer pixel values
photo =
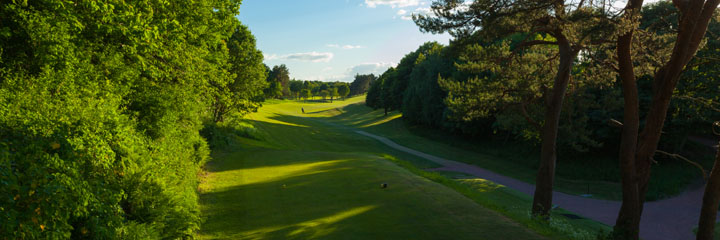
(332, 40)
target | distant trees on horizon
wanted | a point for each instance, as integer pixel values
(280, 86)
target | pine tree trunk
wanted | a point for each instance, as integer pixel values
(711, 201)
(542, 200)
(628, 221)
(695, 17)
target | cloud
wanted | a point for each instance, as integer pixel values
(304, 57)
(392, 3)
(345, 46)
(367, 68)
(404, 15)
(349, 74)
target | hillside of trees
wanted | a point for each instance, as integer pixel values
(101, 109)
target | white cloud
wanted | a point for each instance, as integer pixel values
(345, 46)
(392, 3)
(401, 12)
(367, 68)
(304, 57)
(418, 11)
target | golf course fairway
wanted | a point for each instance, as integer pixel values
(305, 176)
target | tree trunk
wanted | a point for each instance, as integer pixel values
(628, 221)
(542, 200)
(695, 16)
(711, 201)
(693, 24)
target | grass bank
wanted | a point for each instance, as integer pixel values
(595, 174)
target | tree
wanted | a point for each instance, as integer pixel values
(711, 200)
(343, 90)
(372, 99)
(278, 82)
(295, 86)
(107, 142)
(638, 148)
(361, 84)
(243, 92)
(333, 92)
(571, 28)
(305, 94)
(273, 90)
(324, 94)
(386, 94)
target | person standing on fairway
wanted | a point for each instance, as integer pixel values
(303, 110)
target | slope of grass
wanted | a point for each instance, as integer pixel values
(306, 179)
(575, 175)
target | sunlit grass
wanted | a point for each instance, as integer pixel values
(501, 159)
(323, 181)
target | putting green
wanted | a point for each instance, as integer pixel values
(311, 179)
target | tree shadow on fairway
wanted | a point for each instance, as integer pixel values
(321, 197)
(310, 179)
(359, 115)
(341, 198)
(324, 135)
(294, 204)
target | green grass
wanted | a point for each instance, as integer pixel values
(514, 204)
(589, 173)
(302, 176)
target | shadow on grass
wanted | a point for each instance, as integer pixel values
(269, 209)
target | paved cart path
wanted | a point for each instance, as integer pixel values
(672, 218)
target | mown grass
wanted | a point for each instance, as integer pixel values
(306, 179)
(592, 173)
(513, 204)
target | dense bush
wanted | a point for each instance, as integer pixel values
(101, 105)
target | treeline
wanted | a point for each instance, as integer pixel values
(457, 88)
(279, 86)
(549, 74)
(101, 108)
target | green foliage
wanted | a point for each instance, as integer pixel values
(305, 93)
(343, 90)
(373, 98)
(101, 107)
(295, 87)
(423, 98)
(696, 104)
(332, 92)
(361, 84)
(241, 91)
(278, 82)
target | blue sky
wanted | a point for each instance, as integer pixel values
(332, 40)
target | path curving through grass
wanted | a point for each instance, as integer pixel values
(672, 218)
(300, 178)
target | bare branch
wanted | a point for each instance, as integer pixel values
(678, 156)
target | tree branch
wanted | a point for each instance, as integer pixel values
(678, 156)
